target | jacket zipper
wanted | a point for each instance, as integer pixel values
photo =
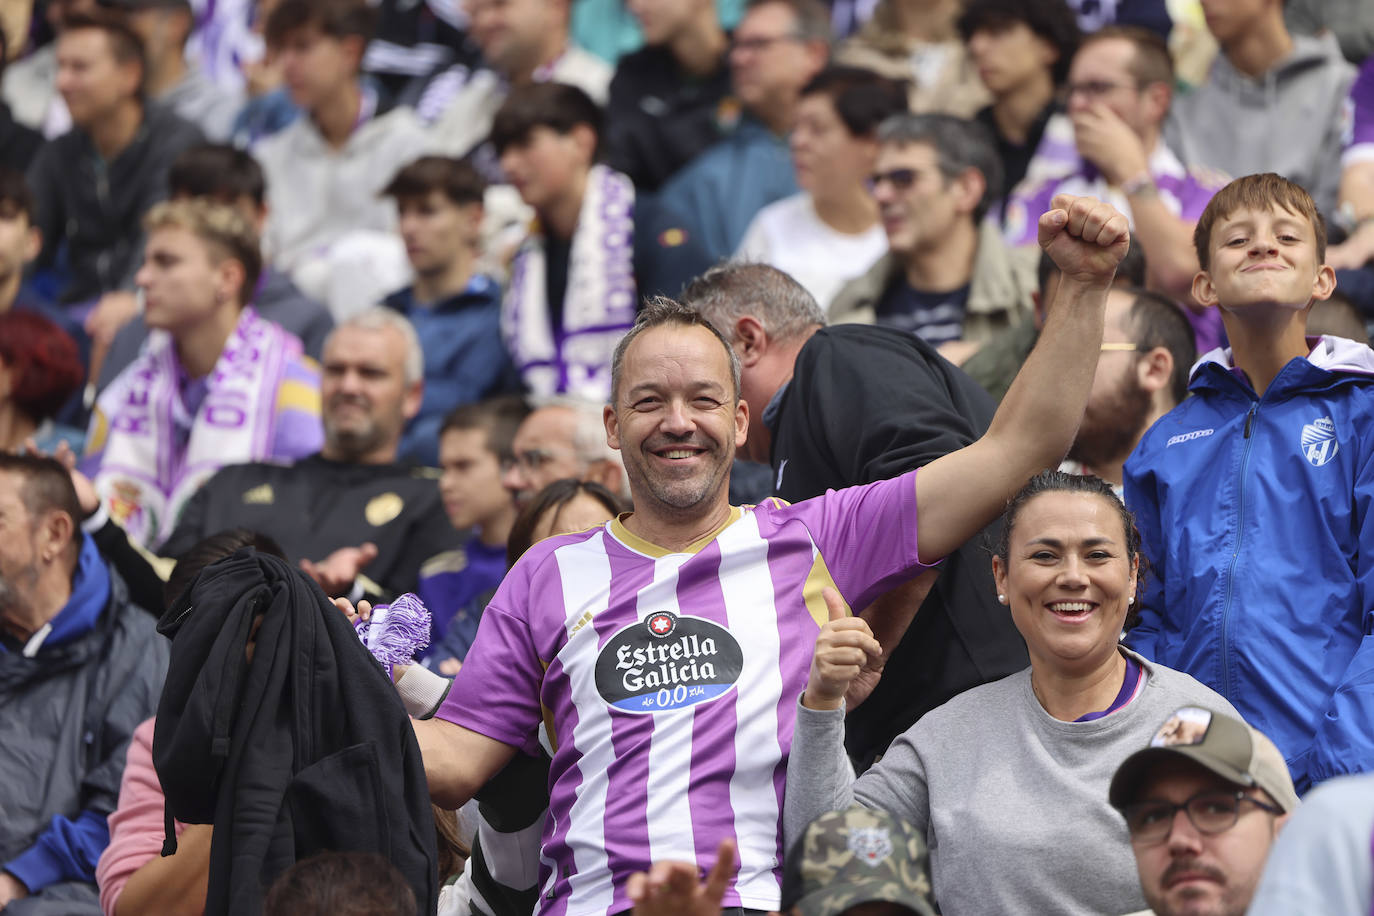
(1235, 557)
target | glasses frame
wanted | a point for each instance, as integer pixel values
(763, 42)
(900, 179)
(1185, 806)
(1096, 89)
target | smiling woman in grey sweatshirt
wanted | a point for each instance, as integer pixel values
(1011, 798)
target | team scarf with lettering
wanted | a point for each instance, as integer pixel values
(598, 307)
(151, 465)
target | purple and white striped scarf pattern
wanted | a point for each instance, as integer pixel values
(598, 308)
(146, 475)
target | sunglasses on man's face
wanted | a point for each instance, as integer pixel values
(900, 179)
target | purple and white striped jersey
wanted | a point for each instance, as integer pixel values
(668, 682)
(1360, 147)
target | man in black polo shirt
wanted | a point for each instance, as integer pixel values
(359, 521)
(851, 404)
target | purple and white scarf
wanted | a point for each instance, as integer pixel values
(598, 307)
(150, 466)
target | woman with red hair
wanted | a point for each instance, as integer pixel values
(40, 369)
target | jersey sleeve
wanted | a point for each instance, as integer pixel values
(866, 535)
(496, 692)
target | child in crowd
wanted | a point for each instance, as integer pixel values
(474, 449)
(1253, 496)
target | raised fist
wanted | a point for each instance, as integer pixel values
(1085, 237)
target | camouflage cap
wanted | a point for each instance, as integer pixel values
(845, 858)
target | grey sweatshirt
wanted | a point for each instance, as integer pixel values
(1290, 120)
(1012, 802)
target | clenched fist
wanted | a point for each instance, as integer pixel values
(1085, 237)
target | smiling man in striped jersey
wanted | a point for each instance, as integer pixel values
(668, 757)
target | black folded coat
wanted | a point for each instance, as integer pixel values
(305, 749)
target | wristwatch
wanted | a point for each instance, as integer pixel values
(1144, 183)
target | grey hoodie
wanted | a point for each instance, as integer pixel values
(1290, 120)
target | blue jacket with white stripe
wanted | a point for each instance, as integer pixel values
(1255, 515)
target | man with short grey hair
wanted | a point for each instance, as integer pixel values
(563, 437)
(948, 276)
(847, 405)
(353, 505)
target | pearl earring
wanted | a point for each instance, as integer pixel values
(1001, 599)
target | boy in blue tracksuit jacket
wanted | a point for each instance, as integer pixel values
(1253, 497)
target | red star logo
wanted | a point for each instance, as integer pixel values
(661, 624)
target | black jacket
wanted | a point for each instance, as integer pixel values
(869, 403)
(658, 118)
(19, 143)
(316, 506)
(304, 750)
(96, 208)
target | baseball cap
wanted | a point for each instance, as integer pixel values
(1219, 743)
(860, 855)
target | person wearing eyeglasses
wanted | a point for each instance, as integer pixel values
(562, 438)
(1142, 374)
(1110, 145)
(948, 276)
(700, 215)
(1203, 803)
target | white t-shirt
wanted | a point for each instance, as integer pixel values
(790, 236)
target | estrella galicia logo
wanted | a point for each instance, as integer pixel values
(667, 661)
(1319, 441)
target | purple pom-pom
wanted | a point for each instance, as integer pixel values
(396, 631)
